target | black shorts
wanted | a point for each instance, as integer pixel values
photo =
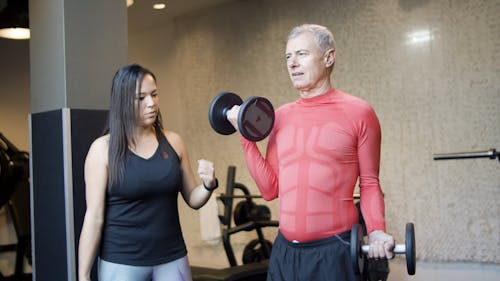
(326, 259)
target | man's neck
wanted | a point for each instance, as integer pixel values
(310, 93)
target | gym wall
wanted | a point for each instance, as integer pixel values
(15, 91)
(14, 110)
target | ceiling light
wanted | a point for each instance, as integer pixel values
(130, 3)
(15, 33)
(14, 22)
(159, 6)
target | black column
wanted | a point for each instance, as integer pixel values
(48, 199)
(60, 141)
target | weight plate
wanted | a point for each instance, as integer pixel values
(241, 213)
(217, 112)
(254, 251)
(356, 254)
(256, 118)
(410, 248)
(260, 213)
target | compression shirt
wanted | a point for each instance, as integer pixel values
(316, 151)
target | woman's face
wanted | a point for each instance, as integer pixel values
(147, 102)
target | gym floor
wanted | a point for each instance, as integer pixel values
(24, 277)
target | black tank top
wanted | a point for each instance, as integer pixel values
(142, 226)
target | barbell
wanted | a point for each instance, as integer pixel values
(359, 250)
(255, 118)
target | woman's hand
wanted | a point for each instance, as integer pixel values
(206, 172)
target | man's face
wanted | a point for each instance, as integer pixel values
(306, 64)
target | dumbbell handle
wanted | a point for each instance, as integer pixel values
(398, 249)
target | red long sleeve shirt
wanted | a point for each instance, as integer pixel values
(317, 150)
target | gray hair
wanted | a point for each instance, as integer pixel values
(324, 37)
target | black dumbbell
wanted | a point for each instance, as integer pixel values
(358, 250)
(255, 119)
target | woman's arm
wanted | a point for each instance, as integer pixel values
(96, 177)
(194, 194)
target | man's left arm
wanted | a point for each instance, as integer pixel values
(371, 197)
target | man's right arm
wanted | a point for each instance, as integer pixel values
(263, 171)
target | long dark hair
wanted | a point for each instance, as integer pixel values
(122, 118)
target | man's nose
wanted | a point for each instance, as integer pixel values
(292, 62)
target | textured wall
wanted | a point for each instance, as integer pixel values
(440, 95)
(14, 91)
(14, 110)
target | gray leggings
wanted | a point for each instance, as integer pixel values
(177, 270)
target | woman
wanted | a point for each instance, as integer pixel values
(133, 175)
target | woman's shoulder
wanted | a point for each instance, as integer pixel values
(101, 144)
(175, 140)
(98, 151)
(172, 136)
(102, 140)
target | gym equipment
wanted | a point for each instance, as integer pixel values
(255, 118)
(359, 250)
(245, 272)
(15, 196)
(491, 154)
(14, 167)
(254, 251)
(244, 220)
(246, 211)
(257, 252)
(376, 270)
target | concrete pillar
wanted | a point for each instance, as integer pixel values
(75, 48)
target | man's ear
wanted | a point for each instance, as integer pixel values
(329, 58)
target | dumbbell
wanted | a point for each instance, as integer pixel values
(358, 250)
(255, 119)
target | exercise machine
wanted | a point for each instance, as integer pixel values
(248, 216)
(15, 198)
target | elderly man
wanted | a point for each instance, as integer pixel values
(318, 148)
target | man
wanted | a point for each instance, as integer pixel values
(319, 146)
